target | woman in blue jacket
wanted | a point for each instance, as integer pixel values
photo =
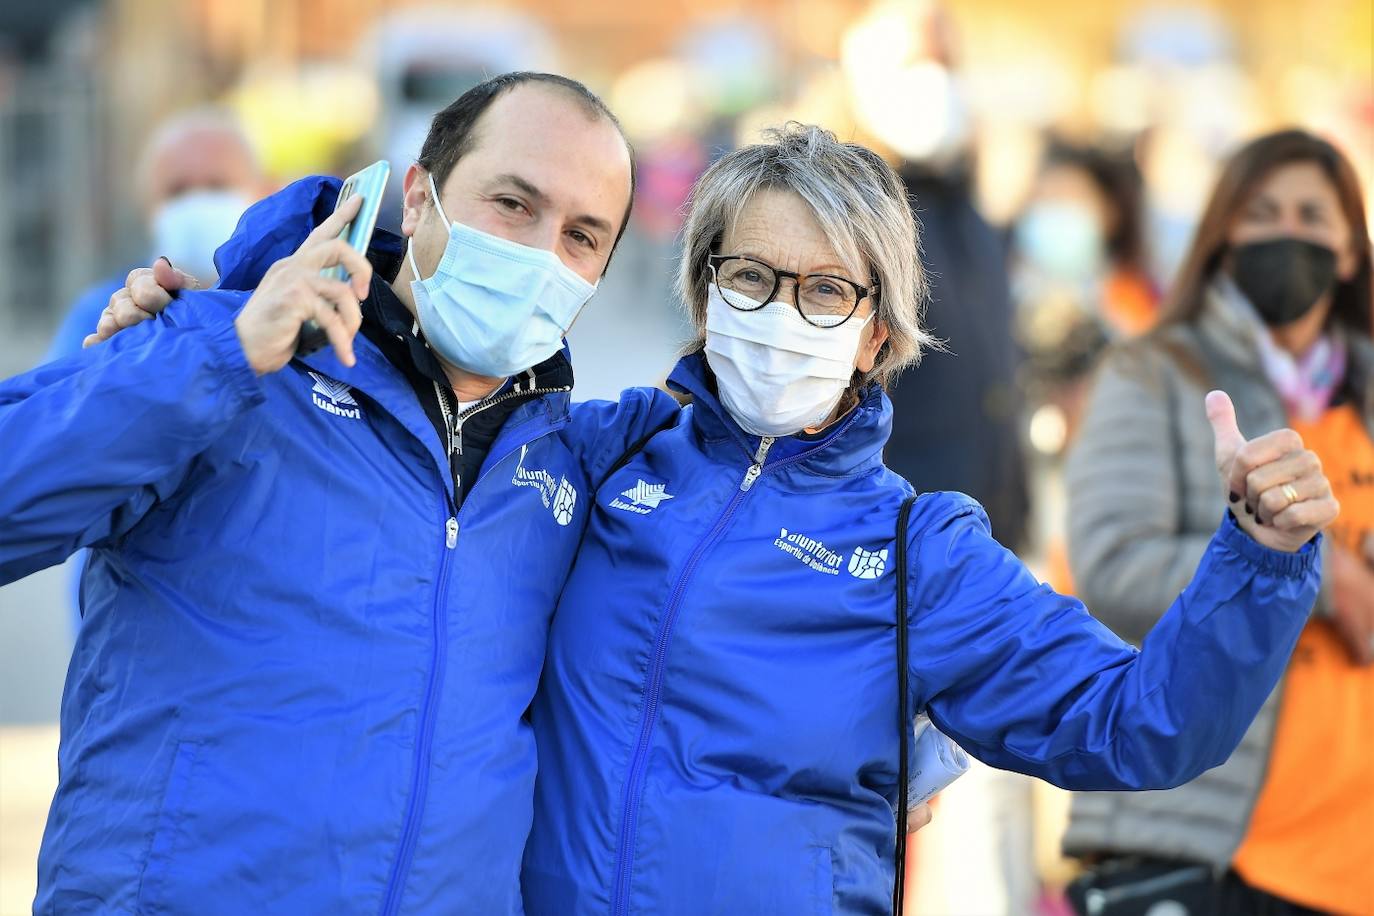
(720, 718)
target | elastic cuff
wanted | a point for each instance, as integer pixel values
(1281, 563)
(232, 362)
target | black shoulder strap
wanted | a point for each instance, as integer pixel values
(635, 448)
(903, 712)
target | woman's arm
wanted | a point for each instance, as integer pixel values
(1025, 680)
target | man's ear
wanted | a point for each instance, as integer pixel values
(414, 198)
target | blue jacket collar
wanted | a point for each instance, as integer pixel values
(850, 446)
(383, 383)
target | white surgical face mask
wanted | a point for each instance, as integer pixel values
(777, 373)
(188, 228)
(495, 307)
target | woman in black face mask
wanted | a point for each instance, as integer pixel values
(1273, 305)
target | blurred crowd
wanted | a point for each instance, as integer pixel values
(1087, 179)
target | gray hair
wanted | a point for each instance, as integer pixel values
(860, 204)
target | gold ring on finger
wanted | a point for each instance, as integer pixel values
(1291, 493)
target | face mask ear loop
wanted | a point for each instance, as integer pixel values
(410, 257)
(438, 206)
(410, 242)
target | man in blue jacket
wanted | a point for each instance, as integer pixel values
(320, 586)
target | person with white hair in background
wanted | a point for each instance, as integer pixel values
(196, 175)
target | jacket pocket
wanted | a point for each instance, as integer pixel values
(167, 833)
(822, 880)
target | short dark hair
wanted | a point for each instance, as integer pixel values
(451, 133)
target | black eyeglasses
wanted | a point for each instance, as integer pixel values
(823, 300)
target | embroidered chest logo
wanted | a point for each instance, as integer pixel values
(642, 498)
(559, 498)
(810, 551)
(334, 397)
(867, 564)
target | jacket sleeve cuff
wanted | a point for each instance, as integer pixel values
(232, 363)
(1278, 562)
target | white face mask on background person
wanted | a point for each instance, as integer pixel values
(494, 307)
(777, 373)
(188, 228)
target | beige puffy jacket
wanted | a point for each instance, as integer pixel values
(1144, 500)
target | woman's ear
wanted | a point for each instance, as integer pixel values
(1348, 263)
(869, 347)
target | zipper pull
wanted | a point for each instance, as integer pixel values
(764, 445)
(756, 468)
(451, 533)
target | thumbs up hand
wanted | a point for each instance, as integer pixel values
(1275, 485)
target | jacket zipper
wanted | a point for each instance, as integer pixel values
(629, 815)
(453, 421)
(453, 437)
(419, 787)
(410, 830)
(509, 395)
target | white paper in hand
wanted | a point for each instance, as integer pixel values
(936, 763)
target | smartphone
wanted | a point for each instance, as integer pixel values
(369, 183)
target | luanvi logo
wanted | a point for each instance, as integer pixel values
(810, 551)
(642, 498)
(334, 397)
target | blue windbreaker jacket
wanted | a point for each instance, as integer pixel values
(716, 722)
(300, 682)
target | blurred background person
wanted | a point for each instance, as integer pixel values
(956, 420)
(957, 417)
(195, 177)
(1079, 270)
(1080, 279)
(1273, 305)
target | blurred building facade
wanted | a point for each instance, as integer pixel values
(317, 82)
